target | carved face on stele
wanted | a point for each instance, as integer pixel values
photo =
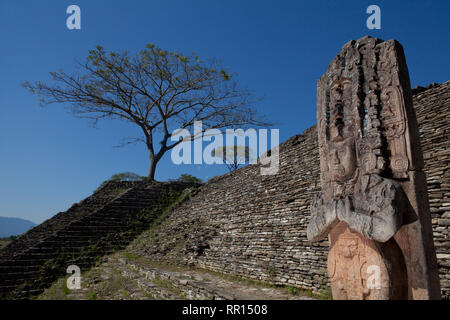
(348, 247)
(342, 160)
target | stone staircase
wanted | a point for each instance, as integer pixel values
(105, 222)
(120, 278)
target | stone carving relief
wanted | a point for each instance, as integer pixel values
(367, 155)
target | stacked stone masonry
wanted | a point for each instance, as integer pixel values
(255, 226)
(241, 223)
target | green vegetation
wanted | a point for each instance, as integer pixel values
(189, 178)
(326, 293)
(127, 176)
(65, 289)
(4, 242)
(271, 272)
(58, 291)
(292, 290)
(124, 176)
(92, 295)
(167, 284)
(130, 256)
(154, 263)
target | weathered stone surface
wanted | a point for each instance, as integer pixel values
(256, 225)
(119, 278)
(103, 223)
(374, 195)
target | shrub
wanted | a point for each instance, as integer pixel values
(189, 178)
(124, 176)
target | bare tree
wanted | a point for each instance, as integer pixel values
(233, 156)
(157, 90)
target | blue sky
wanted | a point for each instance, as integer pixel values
(49, 159)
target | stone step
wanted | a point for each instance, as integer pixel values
(4, 289)
(86, 233)
(38, 261)
(90, 239)
(17, 277)
(102, 222)
(95, 228)
(18, 268)
(188, 287)
(68, 246)
(69, 243)
(99, 225)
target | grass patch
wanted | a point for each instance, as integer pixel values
(92, 295)
(4, 242)
(131, 256)
(64, 288)
(326, 293)
(167, 284)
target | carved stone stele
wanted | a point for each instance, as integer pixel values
(374, 200)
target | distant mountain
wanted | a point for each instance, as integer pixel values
(14, 226)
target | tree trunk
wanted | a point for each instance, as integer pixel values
(152, 169)
(153, 158)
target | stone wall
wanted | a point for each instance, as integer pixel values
(433, 115)
(252, 225)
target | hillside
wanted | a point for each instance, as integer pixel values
(4, 242)
(14, 226)
(101, 224)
